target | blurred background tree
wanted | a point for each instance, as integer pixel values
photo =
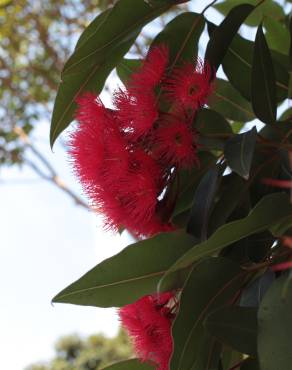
(92, 353)
(36, 38)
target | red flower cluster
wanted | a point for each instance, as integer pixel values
(148, 322)
(125, 158)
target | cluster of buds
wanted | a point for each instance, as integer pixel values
(126, 157)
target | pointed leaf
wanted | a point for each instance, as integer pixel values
(98, 53)
(263, 85)
(130, 274)
(277, 35)
(239, 151)
(236, 327)
(222, 36)
(133, 364)
(275, 328)
(203, 198)
(202, 294)
(228, 101)
(270, 209)
(126, 67)
(250, 364)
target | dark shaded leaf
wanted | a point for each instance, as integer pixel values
(181, 35)
(133, 364)
(269, 8)
(250, 364)
(270, 209)
(253, 294)
(228, 101)
(235, 327)
(263, 86)
(275, 328)
(130, 274)
(202, 294)
(277, 35)
(239, 151)
(222, 36)
(98, 52)
(203, 199)
(208, 122)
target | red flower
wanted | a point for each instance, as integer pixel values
(152, 70)
(189, 85)
(136, 113)
(175, 143)
(148, 322)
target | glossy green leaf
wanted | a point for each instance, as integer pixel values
(277, 35)
(181, 35)
(211, 123)
(239, 57)
(228, 101)
(222, 36)
(99, 52)
(275, 328)
(133, 364)
(269, 8)
(188, 182)
(126, 67)
(203, 199)
(263, 85)
(202, 294)
(235, 327)
(270, 209)
(130, 274)
(239, 151)
(250, 364)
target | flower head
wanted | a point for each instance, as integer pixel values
(175, 143)
(189, 85)
(148, 322)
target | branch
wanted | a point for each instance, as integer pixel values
(52, 176)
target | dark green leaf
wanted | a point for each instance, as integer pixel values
(263, 86)
(133, 364)
(222, 36)
(239, 58)
(267, 8)
(203, 199)
(130, 274)
(189, 180)
(277, 35)
(275, 328)
(211, 123)
(235, 327)
(250, 364)
(181, 35)
(202, 294)
(270, 209)
(98, 53)
(239, 151)
(228, 101)
(126, 67)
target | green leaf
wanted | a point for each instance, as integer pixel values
(126, 67)
(181, 35)
(211, 123)
(202, 294)
(239, 151)
(228, 101)
(235, 327)
(275, 328)
(188, 182)
(268, 8)
(130, 274)
(239, 58)
(98, 53)
(277, 35)
(133, 364)
(250, 364)
(203, 199)
(222, 36)
(269, 210)
(263, 86)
